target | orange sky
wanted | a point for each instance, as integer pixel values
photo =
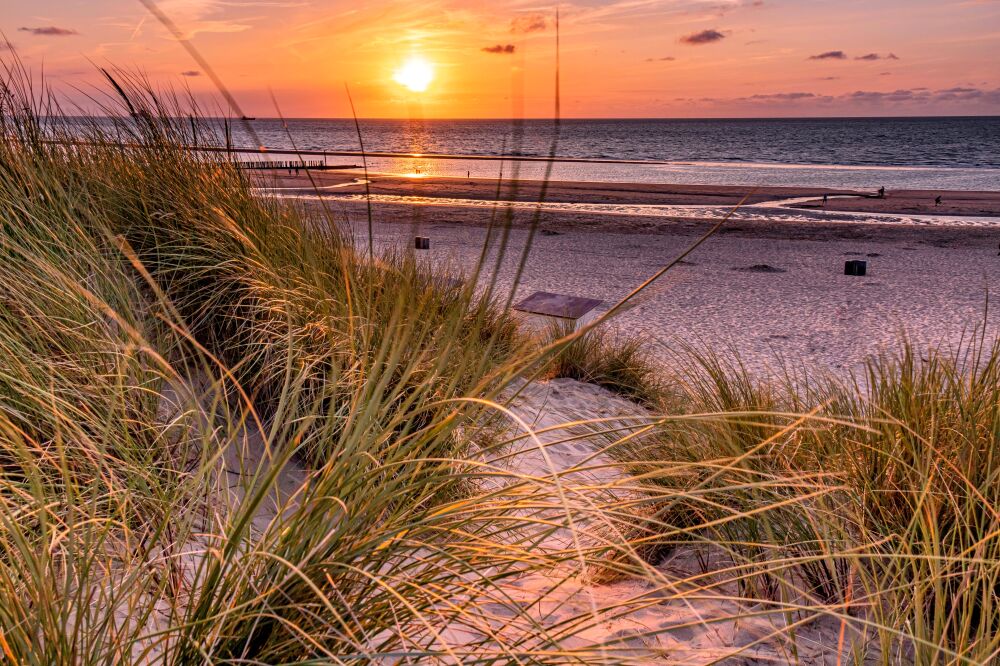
(620, 58)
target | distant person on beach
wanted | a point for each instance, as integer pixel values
(937, 200)
(824, 199)
(881, 192)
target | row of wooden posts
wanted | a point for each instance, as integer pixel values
(287, 164)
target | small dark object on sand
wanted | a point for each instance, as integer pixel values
(855, 267)
(760, 268)
(881, 192)
(549, 232)
(937, 200)
(422, 243)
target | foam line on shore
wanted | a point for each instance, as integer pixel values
(773, 210)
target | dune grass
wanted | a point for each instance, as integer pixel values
(158, 315)
(876, 495)
(612, 359)
(227, 435)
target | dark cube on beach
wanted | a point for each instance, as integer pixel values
(855, 267)
(422, 243)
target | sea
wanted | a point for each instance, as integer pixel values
(948, 153)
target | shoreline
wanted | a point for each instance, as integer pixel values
(558, 222)
(901, 202)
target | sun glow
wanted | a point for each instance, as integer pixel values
(416, 74)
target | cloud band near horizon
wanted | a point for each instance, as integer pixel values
(49, 31)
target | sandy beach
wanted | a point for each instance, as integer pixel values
(772, 291)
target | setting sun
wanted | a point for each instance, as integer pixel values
(416, 74)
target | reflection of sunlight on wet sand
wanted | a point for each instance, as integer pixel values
(299, 188)
(771, 210)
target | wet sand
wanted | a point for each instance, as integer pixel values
(896, 201)
(920, 202)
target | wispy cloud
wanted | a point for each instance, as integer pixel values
(876, 56)
(202, 16)
(906, 97)
(500, 49)
(782, 97)
(528, 23)
(703, 37)
(663, 59)
(191, 73)
(49, 31)
(829, 55)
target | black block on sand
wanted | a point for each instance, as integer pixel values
(855, 268)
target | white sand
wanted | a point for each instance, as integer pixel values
(668, 617)
(810, 315)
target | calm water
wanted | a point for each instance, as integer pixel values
(955, 153)
(925, 142)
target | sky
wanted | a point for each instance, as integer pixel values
(497, 58)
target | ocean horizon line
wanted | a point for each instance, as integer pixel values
(582, 118)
